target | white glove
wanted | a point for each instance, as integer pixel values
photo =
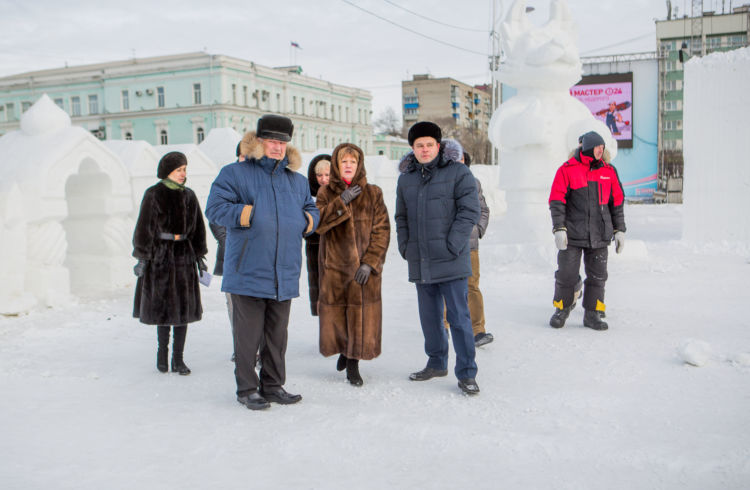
(561, 239)
(619, 241)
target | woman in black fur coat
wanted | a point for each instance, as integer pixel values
(170, 244)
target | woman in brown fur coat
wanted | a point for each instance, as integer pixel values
(355, 231)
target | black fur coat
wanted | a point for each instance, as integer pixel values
(168, 292)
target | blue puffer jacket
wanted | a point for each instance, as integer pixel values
(263, 259)
(436, 208)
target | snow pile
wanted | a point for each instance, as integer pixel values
(695, 352)
(84, 407)
(717, 174)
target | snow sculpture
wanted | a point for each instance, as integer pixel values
(536, 129)
(13, 298)
(66, 192)
(220, 146)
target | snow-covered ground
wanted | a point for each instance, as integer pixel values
(83, 406)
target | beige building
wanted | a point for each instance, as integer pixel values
(443, 100)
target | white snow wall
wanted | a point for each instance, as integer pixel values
(715, 134)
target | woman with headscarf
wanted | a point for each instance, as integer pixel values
(170, 244)
(354, 234)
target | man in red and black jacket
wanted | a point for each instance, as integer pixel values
(586, 203)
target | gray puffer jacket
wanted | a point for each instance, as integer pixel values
(484, 218)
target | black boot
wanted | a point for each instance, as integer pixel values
(560, 315)
(178, 345)
(593, 320)
(352, 372)
(162, 334)
(341, 363)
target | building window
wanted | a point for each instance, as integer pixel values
(339, 113)
(410, 112)
(714, 43)
(128, 136)
(303, 106)
(163, 139)
(59, 102)
(25, 106)
(671, 105)
(125, 98)
(93, 104)
(671, 65)
(359, 115)
(10, 112)
(199, 135)
(738, 41)
(75, 106)
(674, 125)
(294, 104)
(197, 93)
(278, 102)
(234, 94)
(347, 114)
(244, 95)
(159, 96)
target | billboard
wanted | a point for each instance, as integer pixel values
(610, 99)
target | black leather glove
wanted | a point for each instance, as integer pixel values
(351, 193)
(362, 274)
(140, 268)
(202, 264)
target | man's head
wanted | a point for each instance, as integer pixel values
(424, 138)
(592, 144)
(274, 132)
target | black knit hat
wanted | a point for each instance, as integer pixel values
(424, 128)
(275, 127)
(591, 140)
(169, 162)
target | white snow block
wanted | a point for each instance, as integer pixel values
(695, 352)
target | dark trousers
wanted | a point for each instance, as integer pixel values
(259, 323)
(454, 294)
(568, 275)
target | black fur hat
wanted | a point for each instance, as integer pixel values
(275, 127)
(424, 128)
(169, 162)
(591, 140)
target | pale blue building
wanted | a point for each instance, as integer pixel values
(179, 98)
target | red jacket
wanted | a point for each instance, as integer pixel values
(587, 200)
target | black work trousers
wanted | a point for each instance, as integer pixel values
(259, 323)
(568, 275)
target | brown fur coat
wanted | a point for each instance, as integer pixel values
(350, 314)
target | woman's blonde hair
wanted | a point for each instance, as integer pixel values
(321, 165)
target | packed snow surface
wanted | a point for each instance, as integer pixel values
(84, 407)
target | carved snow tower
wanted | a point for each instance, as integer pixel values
(536, 129)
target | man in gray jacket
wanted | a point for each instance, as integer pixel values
(436, 208)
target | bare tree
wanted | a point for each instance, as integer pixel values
(474, 140)
(387, 122)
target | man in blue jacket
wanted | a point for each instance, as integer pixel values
(437, 206)
(266, 208)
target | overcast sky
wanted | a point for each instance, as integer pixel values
(340, 41)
